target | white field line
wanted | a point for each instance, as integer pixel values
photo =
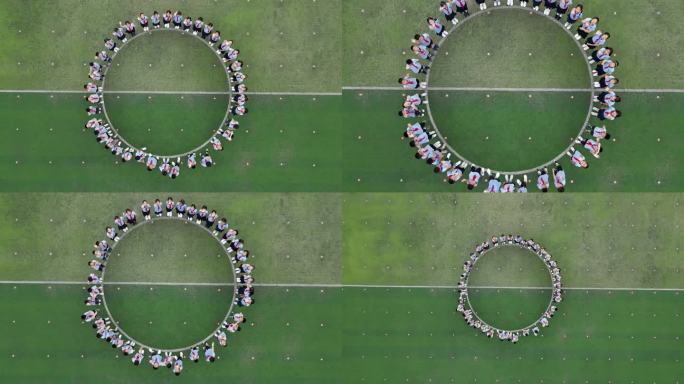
(317, 285)
(74, 91)
(494, 89)
(350, 88)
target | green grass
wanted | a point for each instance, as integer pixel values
(642, 152)
(493, 50)
(395, 335)
(168, 316)
(168, 124)
(509, 131)
(507, 267)
(317, 186)
(156, 251)
(395, 22)
(292, 238)
(279, 129)
(297, 35)
(509, 308)
(598, 239)
(282, 340)
(166, 60)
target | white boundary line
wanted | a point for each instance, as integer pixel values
(73, 91)
(351, 88)
(494, 89)
(316, 285)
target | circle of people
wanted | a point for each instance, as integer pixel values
(107, 136)
(109, 332)
(471, 317)
(426, 139)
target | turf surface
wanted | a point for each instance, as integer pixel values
(341, 145)
(166, 60)
(509, 131)
(167, 124)
(168, 317)
(523, 50)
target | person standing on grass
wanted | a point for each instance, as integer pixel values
(424, 40)
(577, 159)
(562, 8)
(145, 208)
(194, 354)
(588, 26)
(130, 28)
(606, 81)
(102, 55)
(170, 205)
(548, 6)
(508, 186)
(156, 360)
(600, 54)
(415, 66)
(120, 34)
(151, 163)
(591, 145)
(494, 184)
(181, 207)
(600, 133)
(156, 20)
(177, 19)
(111, 234)
(187, 24)
(448, 11)
(130, 216)
(167, 18)
(559, 178)
(422, 52)
(543, 180)
(608, 113)
(192, 211)
(409, 82)
(192, 161)
(144, 22)
(209, 354)
(594, 42)
(461, 7)
(158, 208)
(211, 219)
(574, 15)
(604, 67)
(436, 27)
(202, 214)
(482, 4)
(474, 177)
(178, 365)
(197, 26)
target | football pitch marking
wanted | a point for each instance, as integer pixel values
(494, 89)
(322, 285)
(351, 88)
(74, 91)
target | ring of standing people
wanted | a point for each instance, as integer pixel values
(469, 314)
(98, 313)
(429, 143)
(124, 33)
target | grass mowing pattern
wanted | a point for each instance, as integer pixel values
(282, 341)
(398, 334)
(168, 124)
(168, 316)
(644, 153)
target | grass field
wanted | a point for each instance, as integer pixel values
(357, 245)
